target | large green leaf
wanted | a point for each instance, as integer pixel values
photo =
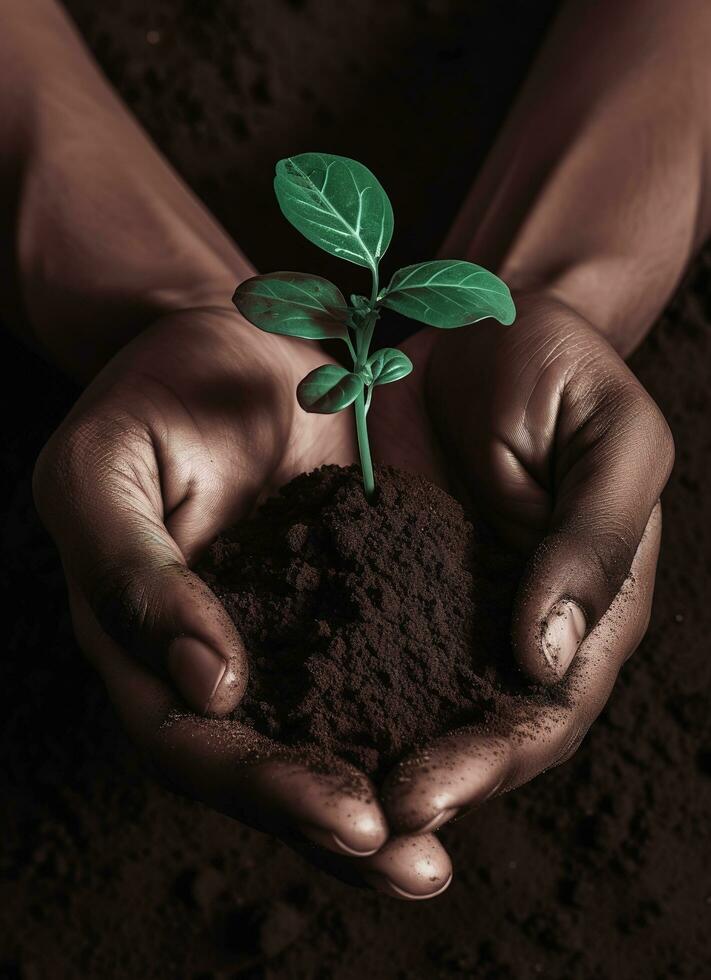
(328, 389)
(389, 364)
(337, 204)
(293, 303)
(449, 293)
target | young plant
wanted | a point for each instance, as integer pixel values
(339, 205)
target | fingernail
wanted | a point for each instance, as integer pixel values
(563, 630)
(439, 820)
(331, 841)
(196, 670)
(387, 887)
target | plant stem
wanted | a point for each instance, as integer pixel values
(365, 335)
(366, 461)
(351, 348)
(375, 282)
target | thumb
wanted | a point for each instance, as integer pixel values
(614, 453)
(115, 548)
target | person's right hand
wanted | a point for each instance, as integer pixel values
(544, 431)
(177, 438)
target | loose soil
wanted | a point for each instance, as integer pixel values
(370, 628)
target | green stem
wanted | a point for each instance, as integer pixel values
(351, 348)
(365, 335)
(365, 339)
(366, 461)
(375, 281)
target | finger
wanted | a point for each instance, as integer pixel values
(615, 459)
(98, 491)
(464, 769)
(228, 765)
(409, 867)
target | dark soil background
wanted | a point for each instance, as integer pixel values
(596, 870)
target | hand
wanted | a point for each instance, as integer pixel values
(177, 438)
(563, 451)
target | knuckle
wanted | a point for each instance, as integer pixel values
(612, 550)
(125, 597)
(611, 401)
(56, 468)
(600, 555)
(646, 412)
(648, 429)
(120, 600)
(92, 440)
(609, 559)
(77, 453)
(53, 469)
(613, 404)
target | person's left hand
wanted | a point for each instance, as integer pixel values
(544, 427)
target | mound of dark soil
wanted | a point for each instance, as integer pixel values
(370, 627)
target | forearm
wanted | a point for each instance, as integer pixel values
(99, 235)
(598, 187)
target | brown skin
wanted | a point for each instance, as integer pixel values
(195, 418)
(591, 204)
(173, 441)
(566, 454)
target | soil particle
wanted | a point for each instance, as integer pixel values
(370, 628)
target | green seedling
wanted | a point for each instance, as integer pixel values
(339, 205)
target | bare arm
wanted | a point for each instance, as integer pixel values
(591, 203)
(598, 187)
(99, 235)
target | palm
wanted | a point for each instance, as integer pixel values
(226, 430)
(478, 415)
(233, 437)
(516, 420)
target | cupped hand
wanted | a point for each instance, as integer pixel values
(196, 420)
(560, 448)
(179, 436)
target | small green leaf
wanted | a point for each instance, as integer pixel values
(293, 303)
(360, 303)
(328, 389)
(449, 293)
(338, 204)
(389, 365)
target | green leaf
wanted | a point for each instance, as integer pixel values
(337, 204)
(328, 389)
(360, 303)
(293, 303)
(389, 365)
(449, 293)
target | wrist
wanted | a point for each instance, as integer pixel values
(597, 188)
(606, 292)
(99, 237)
(109, 241)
